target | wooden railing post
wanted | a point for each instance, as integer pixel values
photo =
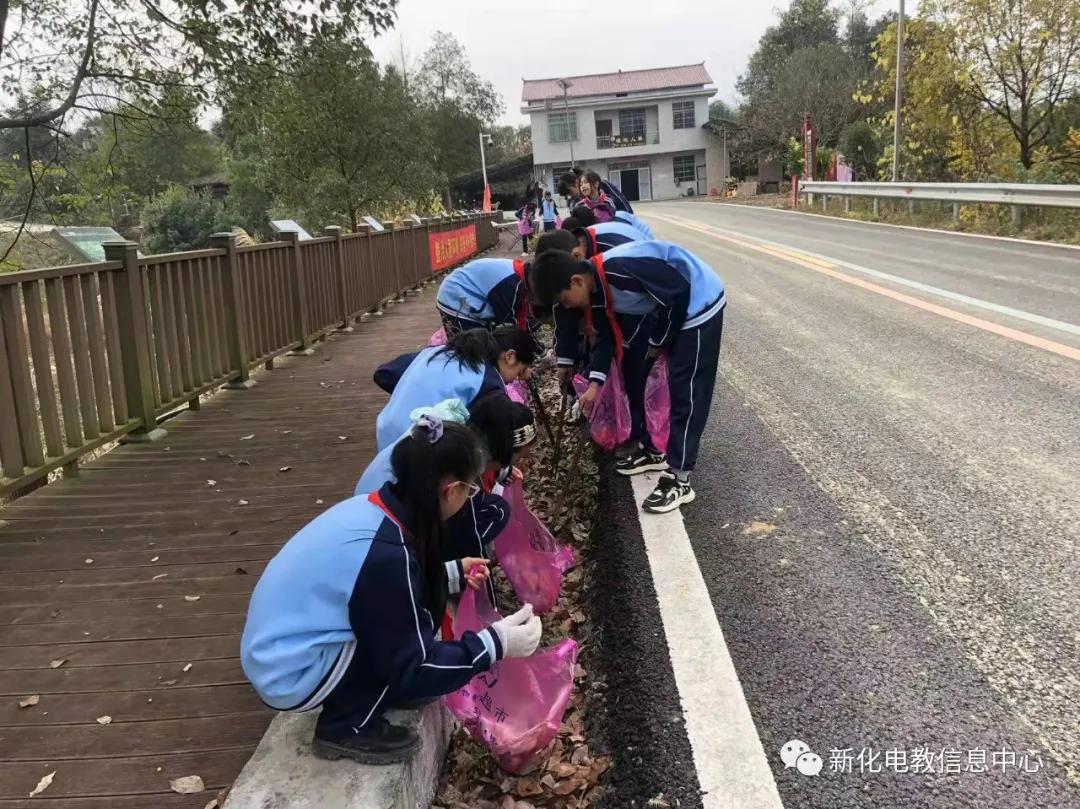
(235, 312)
(299, 293)
(135, 341)
(339, 266)
(395, 238)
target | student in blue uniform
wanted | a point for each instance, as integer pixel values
(506, 429)
(471, 364)
(635, 221)
(687, 297)
(571, 350)
(485, 293)
(549, 211)
(598, 237)
(344, 616)
(569, 186)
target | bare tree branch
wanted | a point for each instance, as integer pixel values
(36, 119)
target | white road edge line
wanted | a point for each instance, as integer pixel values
(731, 764)
(915, 228)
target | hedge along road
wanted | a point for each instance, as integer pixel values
(886, 522)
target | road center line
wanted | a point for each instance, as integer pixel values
(827, 266)
(731, 765)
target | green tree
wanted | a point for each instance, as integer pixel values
(861, 147)
(122, 55)
(179, 219)
(1021, 60)
(458, 102)
(333, 139)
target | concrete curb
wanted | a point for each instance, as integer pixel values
(284, 774)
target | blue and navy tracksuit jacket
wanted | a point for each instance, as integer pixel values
(636, 221)
(617, 197)
(601, 238)
(470, 532)
(422, 379)
(650, 277)
(687, 299)
(606, 235)
(347, 588)
(486, 291)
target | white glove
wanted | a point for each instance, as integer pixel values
(519, 633)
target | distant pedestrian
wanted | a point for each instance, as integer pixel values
(549, 211)
(526, 215)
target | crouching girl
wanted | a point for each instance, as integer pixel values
(344, 615)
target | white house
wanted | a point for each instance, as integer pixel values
(643, 130)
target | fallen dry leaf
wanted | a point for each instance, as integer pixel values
(528, 786)
(104, 720)
(55, 664)
(192, 598)
(211, 483)
(240, 571)
(188, 785)
(759, 529)
(89, 561)
(30, 701)
(43, 784)
(241, 502)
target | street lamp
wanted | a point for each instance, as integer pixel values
(898, 127)
(566, 85)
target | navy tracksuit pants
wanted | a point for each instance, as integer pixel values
(692, 368)
(635, 367)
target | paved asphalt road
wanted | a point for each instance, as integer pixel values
(889, 501)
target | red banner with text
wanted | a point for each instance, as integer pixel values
(448, 247)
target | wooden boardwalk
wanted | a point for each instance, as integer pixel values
(122, 593)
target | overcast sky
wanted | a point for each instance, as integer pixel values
(539, 40)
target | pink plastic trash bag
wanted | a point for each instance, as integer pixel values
(540, 538)
(516, 707)
(610, 417)
(438, 338)
(535, 572)
(517, 392)
(658, 404)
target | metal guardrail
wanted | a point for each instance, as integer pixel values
(1053, 196)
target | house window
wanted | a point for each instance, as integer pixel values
(682, 167)
(632, 124)
(682, 115)
(562, 127)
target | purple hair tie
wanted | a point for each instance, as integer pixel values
(428, 426)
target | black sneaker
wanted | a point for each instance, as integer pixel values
(387, 744)
(641, 460)
(668, 495)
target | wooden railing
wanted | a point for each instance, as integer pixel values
(94, 353)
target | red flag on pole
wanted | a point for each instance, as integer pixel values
(487, 198)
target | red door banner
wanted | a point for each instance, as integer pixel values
(448, 247)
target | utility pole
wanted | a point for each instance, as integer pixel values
(485, 193)
(898, 126)
(566, 85)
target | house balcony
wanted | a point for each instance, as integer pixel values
(627, 141)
